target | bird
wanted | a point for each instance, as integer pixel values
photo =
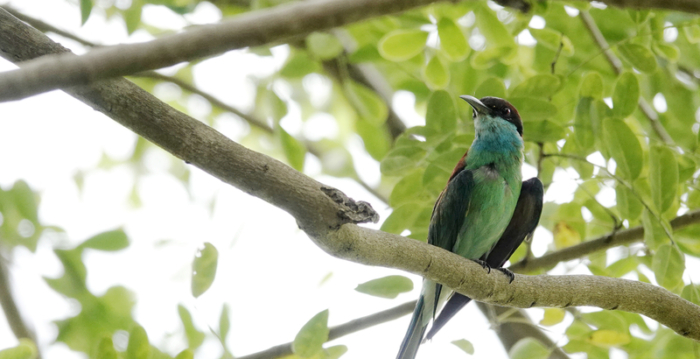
(484, 212)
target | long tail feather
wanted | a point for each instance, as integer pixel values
(422, 315)
(414, 334)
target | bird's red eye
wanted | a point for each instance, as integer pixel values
(507, 111)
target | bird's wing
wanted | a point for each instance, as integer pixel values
(449, 213)
(522, 224)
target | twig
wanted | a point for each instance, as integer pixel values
(9, 307)
(616, 64)
(341, 330)
(518, 326)
(45, 27)
(622, 182)
(618, 238)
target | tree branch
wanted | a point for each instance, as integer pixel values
(329, 218)
(614, 239)
(616, 64)
(517, 327)
(341, 330)
(250, 29)
(17, 324)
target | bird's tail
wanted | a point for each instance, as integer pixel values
(422, 315)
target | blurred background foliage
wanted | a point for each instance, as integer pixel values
(608, 97)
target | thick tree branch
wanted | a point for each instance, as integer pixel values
(250, 29)
(328, 217)
(616, 64)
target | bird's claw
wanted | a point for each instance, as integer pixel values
(483, 264)
(508, 274)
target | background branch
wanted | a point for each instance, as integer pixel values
(9, 307)
(250, 29)
(341, 330)
(614, 239)
(517, 327)
(616, 64)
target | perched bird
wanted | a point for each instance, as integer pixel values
(483, 214)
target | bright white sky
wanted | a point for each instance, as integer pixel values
(269, 271)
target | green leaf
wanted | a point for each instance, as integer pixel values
(386, 287)
(663, 177)
(493, 29)
(299, 65)
(105, 349)
(492, 86)
(204, 269)
(138, 347)
(323, 46)
(452, 40)
(543, 131)
(537, 86)
(224, 323)
(692, 33)
(691, 293)
(627, 203)
(85, 10)
(376, 139)
(624, 147)
(335, 351)
(528, 348)
(465, 345)
(132, 16)
(25, 201)
(195, 338)
(654, 234)
(312, 335)
(606, 338)
(668, 266)
(26, 349)
(484, 59)
(668, 51)
(185, 354)
(107, 241)
(407, 189)
(366, 53)
(639, 56)
(533, 109)
(626, 95)
(552, 40)
(441, 114)
(592, 86)
(293, 150)
(436, 74)
(401, 45)
(583, 125)
(400, 159)
(368, 104)
(552, 316)
(401, 218)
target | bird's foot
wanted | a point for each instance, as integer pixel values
(508, 273)
(483, 264)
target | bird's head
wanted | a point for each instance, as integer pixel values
(495, 109)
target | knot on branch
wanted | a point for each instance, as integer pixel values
(351, 211)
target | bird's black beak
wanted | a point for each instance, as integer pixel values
(478, 106)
